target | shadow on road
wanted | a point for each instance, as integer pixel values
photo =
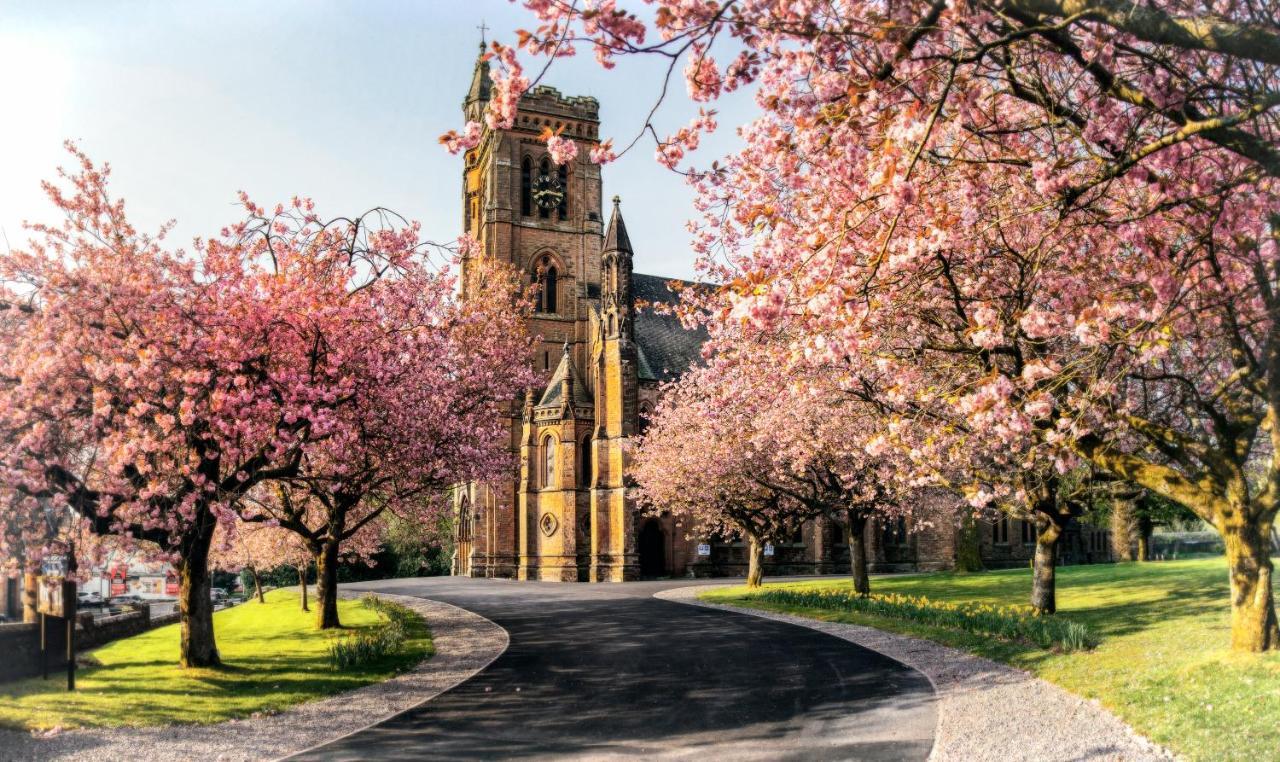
(610, 671)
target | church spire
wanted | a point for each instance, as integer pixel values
(615, 239)
(615, 271)
(481, 82)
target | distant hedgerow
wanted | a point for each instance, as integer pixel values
(1016, 623)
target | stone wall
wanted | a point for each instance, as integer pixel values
(20, 643)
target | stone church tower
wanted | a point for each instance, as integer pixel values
(565, 514)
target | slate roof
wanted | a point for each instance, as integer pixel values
(551, 397)
(664, 347)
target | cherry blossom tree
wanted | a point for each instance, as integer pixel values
(424, 415)
(257, 547)
(688, 443)
(822, 447)
(1057, 218)
(736, 447)
(149, 390)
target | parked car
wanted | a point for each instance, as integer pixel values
(218, 594)
(126, 599)
(89, 596)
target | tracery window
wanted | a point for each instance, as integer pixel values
(546, 277)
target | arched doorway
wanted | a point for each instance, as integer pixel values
(653, 560)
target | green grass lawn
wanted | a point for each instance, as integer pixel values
(1163, 663)
(272, 657)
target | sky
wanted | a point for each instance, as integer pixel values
(339, 101)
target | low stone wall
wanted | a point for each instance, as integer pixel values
(20, 643)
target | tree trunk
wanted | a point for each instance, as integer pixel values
(1044, 596)
(1145, 528)
(755, 562)
(1253, 610)
(855, 534)
(1122, 529)
(199, 648)
(969, 545)
(29, 595)
(302, 583)
(327, 586)
(257, 584)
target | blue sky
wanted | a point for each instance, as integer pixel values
(341, 101)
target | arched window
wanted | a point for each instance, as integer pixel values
(544, 168)
(1000, 531)
(894, 532)
(546, 278)
(464, 520)
(584, 463)
(526, 187)
(563, 210)
(548, 462)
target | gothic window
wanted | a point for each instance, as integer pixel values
(526, 187)
(544, 168)
(546, 277)
(894, 532)
(464, 520)
(1028, 533)
(584, 463)
(548, 461)
(1000, 532)
(643, 422)
(563, 210)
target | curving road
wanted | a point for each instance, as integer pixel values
(608, 671)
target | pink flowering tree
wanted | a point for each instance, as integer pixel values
(257, 547)
(1070, 206)
(687, 443)
(737, 447)
(149, 390)
(425, 414)
(822, 444)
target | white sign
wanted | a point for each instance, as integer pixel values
(768, 548)
(704, 549)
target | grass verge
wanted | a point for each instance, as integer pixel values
(273, 657)
(1162, 663)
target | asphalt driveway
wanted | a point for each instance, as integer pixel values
(597, 671)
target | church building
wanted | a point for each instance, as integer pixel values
(565, 515)
(604, 347)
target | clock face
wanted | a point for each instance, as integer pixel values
(547, 192)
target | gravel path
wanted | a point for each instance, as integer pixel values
(465, 643)
(986, 711)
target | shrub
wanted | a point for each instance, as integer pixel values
(1016, 623)
(367, 646)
